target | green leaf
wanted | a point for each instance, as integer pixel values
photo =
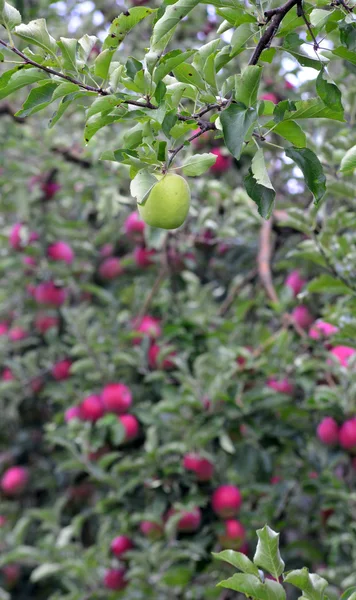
(142, 184)
(198, 164)
(313, 108)
(104, 104)
(348, 163)
(19, 79)
(102, 63)
(45, 570)
(235, 16)
(259, 171)
(186, 73)
(318, 18)
(348, 35)
(236, 121)
(267, 555)
(312, 170)
(9, 16)
(342, 52)
(247, 84)
(85, 45)
(329, 285)
(38, 98)
(68, 48)
(252, 586)
(348, 593)
(313, 586)
(170, 61)
(238, 560)
(305, 60)
(35, 32)
(96, 122)
(282, 108)
(170, 19)
(65, 88)
(160, 92)
(263, 196)
(243, 33)
(329, 93)
(291, 131)
(123, 24)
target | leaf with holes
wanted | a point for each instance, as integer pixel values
(123, 24)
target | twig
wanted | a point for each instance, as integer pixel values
(5, 109)
(275, 15)
(204, 126)
(69, 156)
(301, 13)
(264, 260)
(235, 289)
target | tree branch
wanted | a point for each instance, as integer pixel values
(264, 260)
(70, 156)
(5, 109)
(275, 15)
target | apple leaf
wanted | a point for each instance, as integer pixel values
(236, 120)
(9, 16)
(170, 19)
(35, 32)
(198, 164)
(312, 585)
(329, 93)
(142, 184)
(267, 555)
(247, 85)
(238, 560)
(38, 98)
(348, 163)
(312, 170)
(123, 24)
(252, 586)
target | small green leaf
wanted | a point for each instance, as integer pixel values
(68, 48)
(314, 108)
(318, 17)
(45, 570)
(35, 32)
(263, 196)
(348, 593)
(19, 79)
(345, 54)
(198, 164)
(252, 586)
(259, 171)
(188, 74)
(170, 61)
(329, 93)
(286, 106)
(9, 16)
(102, 63)
(85, 45)
(160, 92)
(241, 35)
(123, 24)
(247, 84)
(104, 104)
(267, 555)
(313, 586)
(348, 163)
(238, 560)
(65, 88)
(348, 35)
(38, 98)
(235, 16)
(236, 121)
(142, 184)
(312, 170)
(328, 284)
(170, 19)
(291, 131)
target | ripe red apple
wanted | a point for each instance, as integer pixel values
(114, 579)
(189, 521)
(271, 97)
(20, 237)
(110, 268)
(223, 161)
(44, 322)
(275, 479)
(151, 530)
(37, 384)
(302, 316)
(29, 263)
(117, 398)
(3, 520)
(147, 326)
(322, 329)
(16, 334)
(134, 225)
(130, 425)
(328, 431)
(120, 545)
(73, 412)
(61, 370)
(202, 467)
(343, 354)
(283, 386)
(156, 363)
(288, 85)
(234, 535)
(143, 256)
(7, 375)
(347, 434)
(50, 188)
(226, 501)
(11, 573)
(4, 328)
(61, 251)
(107, 250)
(295, 282)
(14, 481)
(48, 293)
(92, 408)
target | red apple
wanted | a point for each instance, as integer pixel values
(322, 329)
(288, 85)
(20, 237)
(14, 481)
(275, 479)
(3, 520)
(29, 263)
(233, 536)
(226, 501)
(156, 363)
(61, 370)
(151, 530)
(130, 425)
(347, 434)
(48, 293)
(11, 573)
(16, 334)
(343, 354)
(37, 384)
(189, 521)
(120, 545)
(328, 431)
(302, 316)
(143, 256)
(223, 161)
(134, 226)
(107, 250)
(61, 251)
(44, 322)
(202, 467)
(92, 408)
(110, 268)
(295, 282)
(7, 375)
(114, 579)
(73, 412)
(50, 188)
(271, 97)
(117, 398)
(4, 328)
(147, 326)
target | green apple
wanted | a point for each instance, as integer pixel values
(167, 205)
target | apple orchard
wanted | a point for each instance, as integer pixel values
(178, 313)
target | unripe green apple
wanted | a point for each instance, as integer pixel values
(167, 205)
